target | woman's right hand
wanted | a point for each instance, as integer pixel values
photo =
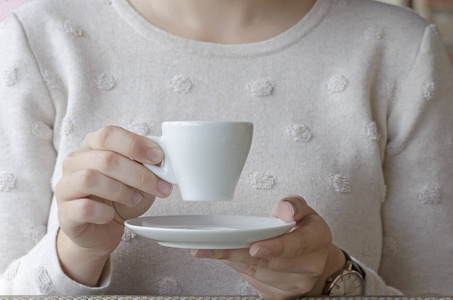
(103, 184)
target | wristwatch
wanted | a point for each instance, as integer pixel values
(350, 281)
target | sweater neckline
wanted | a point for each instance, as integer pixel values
(166, 39)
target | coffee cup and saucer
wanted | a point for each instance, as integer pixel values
(205, 160)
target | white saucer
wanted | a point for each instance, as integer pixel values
(208, 232)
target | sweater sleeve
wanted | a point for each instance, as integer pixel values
(28, 258)
(418, 169)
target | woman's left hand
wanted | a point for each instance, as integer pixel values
(294, 264)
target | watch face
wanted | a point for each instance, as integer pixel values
(348, 284)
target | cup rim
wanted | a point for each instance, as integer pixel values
(204, 122)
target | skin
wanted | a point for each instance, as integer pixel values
(100, 188)
(224, 21)
(104, 182)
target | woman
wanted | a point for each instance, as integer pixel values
(351, 102)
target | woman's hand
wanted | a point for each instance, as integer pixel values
(103, 184)
(294, 264)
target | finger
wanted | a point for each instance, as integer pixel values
(126, 213)
(121, 168)
(268, 292)
(291, 282)
(309, 235)
(124, 142)
(265, 291)
(87, 182)
(78, 213)
(310, 263)
(292, 208)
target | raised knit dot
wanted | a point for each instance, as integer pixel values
(180, 84)
(340, 3)
(262, 180)
(12, 270)
(105, 82)
(11, 76)
(429, 90)
(67, 126)
(128, 234)
(41, 130)
(140, 128)
(70, 27)
(374, 33)
(7, 181)
(395, 147)
(429, 195)
(340, 183)
(300, 133)
(169, 286)
(261, 88)
(390, 246)
(372, 131)
(336, 84)
(433, 28)
(43, 279)
(52, 81)
(390, 91)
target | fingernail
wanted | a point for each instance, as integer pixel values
(164, 187)
(261, 252)
(155, 155)
(291, 206)
(203, 253)
(136, 198)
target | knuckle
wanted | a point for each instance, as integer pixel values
(134, 146)
(303, 246)
(88, 137)
(314, 270)
(103, 134)
(263, 262)
(87, 178)
(108, 160)
(86, 210)
(124, 193)
(68, 161)
(147, 179)
(250, 270)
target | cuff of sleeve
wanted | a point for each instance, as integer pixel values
(374, 284)
(47, 275)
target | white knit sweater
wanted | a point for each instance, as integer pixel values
(352, 108)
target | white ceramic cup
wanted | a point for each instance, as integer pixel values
(204, 158)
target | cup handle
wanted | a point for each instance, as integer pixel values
(163, 171)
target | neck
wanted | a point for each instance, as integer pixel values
(223, 21)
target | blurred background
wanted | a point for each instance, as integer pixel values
(439, 12)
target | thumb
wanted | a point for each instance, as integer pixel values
(127, 213)
(292, 208)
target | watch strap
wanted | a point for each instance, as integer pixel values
(354, 265)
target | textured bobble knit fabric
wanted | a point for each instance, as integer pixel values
(352, 108)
